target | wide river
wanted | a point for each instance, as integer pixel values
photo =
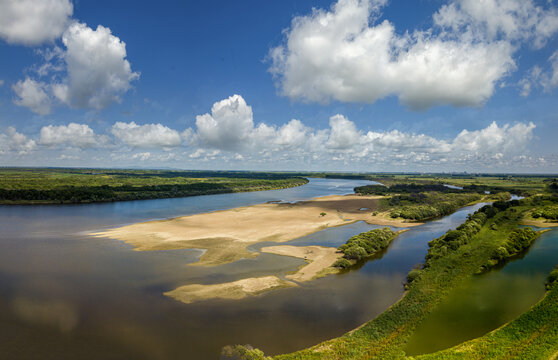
(66, 295)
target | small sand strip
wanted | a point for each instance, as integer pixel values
(538, 223)
(226, 234)
(232, 290)
(319, 258)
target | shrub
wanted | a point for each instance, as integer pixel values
(343, 263)
(354, 252)
(413, 275)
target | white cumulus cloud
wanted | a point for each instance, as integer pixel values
(32, 22)
(12, 141)
(228, 126)
(33, 95)
(77, 135)
(98, 71)
(147, 136)
(345, 54)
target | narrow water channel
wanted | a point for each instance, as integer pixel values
(488, 301)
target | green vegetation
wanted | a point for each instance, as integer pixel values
(517, 242)
(46, 186)
(452, 260)
(364, 245)
(428, 205)
(239, 352)
(552, 278)
(424, 201)
(533, 335)
(548, 212)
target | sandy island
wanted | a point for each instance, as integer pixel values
(227, 234)
(319, 258)
(232, 290)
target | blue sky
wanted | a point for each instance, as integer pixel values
(352, 85)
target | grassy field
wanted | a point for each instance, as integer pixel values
(452, 259)
(46, 186)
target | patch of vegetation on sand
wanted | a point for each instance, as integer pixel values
(364, 245)
(419, 202)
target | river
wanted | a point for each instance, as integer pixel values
(66, 295)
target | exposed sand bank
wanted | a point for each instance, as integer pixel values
(226, 234)
(232, 290)
(538, 223)
(319, 258)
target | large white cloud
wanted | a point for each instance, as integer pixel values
(98, 71)
(147, 136)
(229, 124)
(76, 135)
(32, 22)
(12, 141)
(33, 95)
(343, 54)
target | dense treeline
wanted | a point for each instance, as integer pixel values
(548, 212)
(428, 205)
(401, 189)
(364, 245)
(124, 188)
(454, 239)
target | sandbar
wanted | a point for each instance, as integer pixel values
(233, 290)
(319, 258)
(538, 223)
(226, 234)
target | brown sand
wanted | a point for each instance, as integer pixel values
(232, 290)
(318, 257)
(226, 234)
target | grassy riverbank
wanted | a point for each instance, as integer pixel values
(452, 259)
(533, 335)
(63, 186)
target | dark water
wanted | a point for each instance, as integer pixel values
(64, 295)
(488, 301)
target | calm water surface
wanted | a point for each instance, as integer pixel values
(488, 301)
(64, 295)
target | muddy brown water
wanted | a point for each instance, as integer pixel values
(65, 295)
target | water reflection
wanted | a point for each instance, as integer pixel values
(488, 301)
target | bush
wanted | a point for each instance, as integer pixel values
(343, 263)
(552, 278)
(413, 275)
(354, 252)
(242, 352)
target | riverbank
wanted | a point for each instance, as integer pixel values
(225, 235)
(452, 259)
